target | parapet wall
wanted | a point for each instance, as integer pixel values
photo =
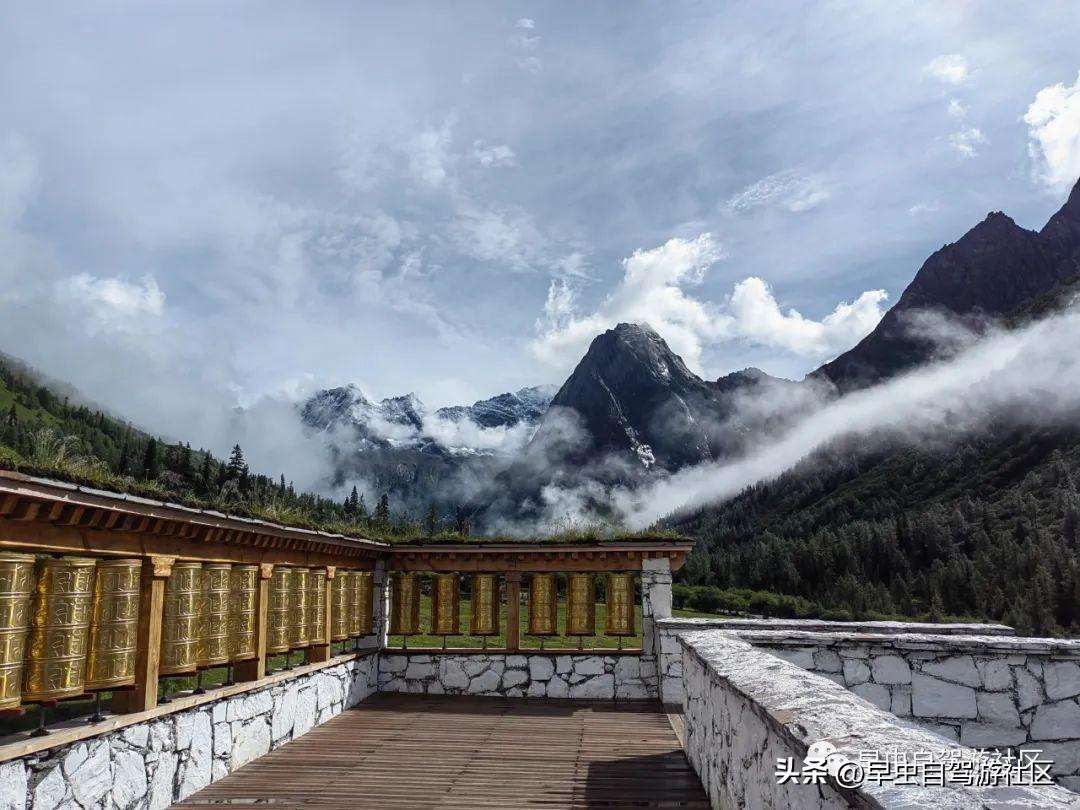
(746, 708)
(157, 761)
(627, 676)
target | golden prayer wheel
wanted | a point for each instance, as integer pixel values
(277, 614)
(114, 624)
(363, 583)
(298, 612)
(339, 606)
(446, 605)
(543, 605)
(55, 665)
(580, 605)
(243, 609)
(180, 619)
(485, 605)
(405, 604)
(316, 607)
(352, 602)
(213, 650)
(16, 587)
(620, 605)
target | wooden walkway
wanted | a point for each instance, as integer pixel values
(416, 751)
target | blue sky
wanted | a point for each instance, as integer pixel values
(205, 205)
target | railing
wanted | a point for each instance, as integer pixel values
(79, 626)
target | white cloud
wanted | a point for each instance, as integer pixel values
(965, 140)
(923, 208)
(530, 64)
(1053, 121)
(652, 291)
(951, 68)
(428, 156)
(957, 108)
(525, 23)
(789, 189)
(113, 303)
(494, 156)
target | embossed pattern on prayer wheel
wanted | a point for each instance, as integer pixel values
(543, 605)
(405, 604)
(214, 615)
(180, 619)
(55, 665)
(277, 614)
(484, 620)
(446, 605)
(298, 612)
(364, 583)
(620, 605)
(339, 606)
(243, 607)
(352, 602)
(580, 605)
(316, 606)
(16, 588)
(114, 623)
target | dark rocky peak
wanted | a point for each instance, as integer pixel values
(504, 410)
(333, 405)
(403, 410)
(1061, 235)
(745, 378)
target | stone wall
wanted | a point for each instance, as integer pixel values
(529, 674)
(166, 759)
(745, 708)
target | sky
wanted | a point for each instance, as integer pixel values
(207, 206)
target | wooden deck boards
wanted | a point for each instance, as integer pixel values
(417, 751)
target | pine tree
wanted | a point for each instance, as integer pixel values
(234, 470)
(122, 464)
(431, 520)
(382, 512)
(12, 416)
(151, 465)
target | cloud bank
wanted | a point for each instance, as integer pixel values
(1053, 121)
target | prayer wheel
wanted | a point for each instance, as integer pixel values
(580, 605)
(352, 602)
(243, 610)
(364, 584)
(405, 604)
(543, 605)
(55, 665)
(446, 605)
(277, 614)
(180, 620)
(16, 588)
(620, 605)
(485, 605)
(114, 625)
(298, 612)
(214, 615)
(339, 606)
(316, 606)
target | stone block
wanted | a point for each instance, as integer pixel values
(453, 676)
(1061, 679)
(537, 689)
(306, 710)
(284, 717)
(486, 682)
(957, 668)
(13, 785)
(137, 736)
(129, 783)
(1057, 721)
(996, 675)
(161, 783)
(890, 669)
(800, 658)
(251, 739)
(589, 665)
(222, 739)
(901, 702)
(598, 687)
(419, 671)
(541, 668)
(516, 662)
(92, 780)
(875, 693)
(558, 688)
(827, 661)
(195, 767)
(855, 672)
(931, 697)
(51, 790)
(997, 708)
(514, 677)
(991, 735)
(1028, 689)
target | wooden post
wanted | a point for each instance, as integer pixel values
(144, 695)
(513, 610)
(320, 653)
(255, 668)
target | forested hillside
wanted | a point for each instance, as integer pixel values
(47, 429)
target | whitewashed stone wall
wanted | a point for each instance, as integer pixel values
(655, 606)
(615, 677)
(745, 708)
(153, 764)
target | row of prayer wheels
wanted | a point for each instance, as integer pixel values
(542, 606)
(67, 626)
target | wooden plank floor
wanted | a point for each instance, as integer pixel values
(421, 751)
